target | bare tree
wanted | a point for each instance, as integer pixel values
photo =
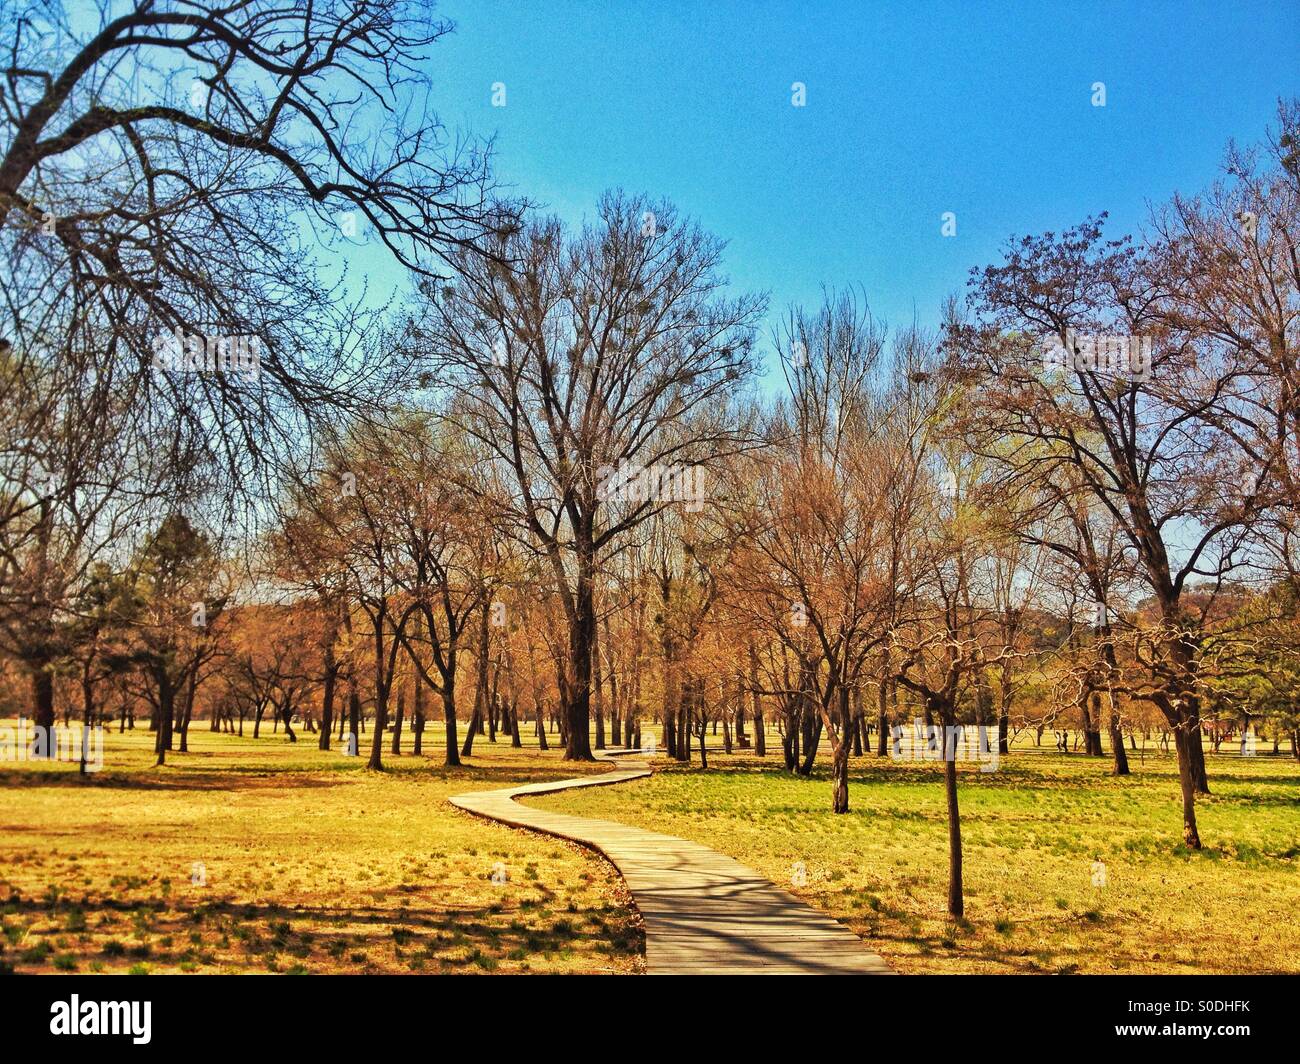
(156, 167)
(1117, 427)
(590, 356)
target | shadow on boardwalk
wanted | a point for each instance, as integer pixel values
(704, 913)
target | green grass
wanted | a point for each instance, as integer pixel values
(312, 864)
(1031, 833)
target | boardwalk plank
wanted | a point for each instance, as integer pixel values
(704, 913)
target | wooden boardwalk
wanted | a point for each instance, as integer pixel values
(704, 913)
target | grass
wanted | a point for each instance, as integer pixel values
(310, 864)
(314, 865)
(1031, 833)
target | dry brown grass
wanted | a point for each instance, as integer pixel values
(313, 864)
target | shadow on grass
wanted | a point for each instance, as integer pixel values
(176, 775)
(257, 935)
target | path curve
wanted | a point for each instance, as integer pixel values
(704, 913)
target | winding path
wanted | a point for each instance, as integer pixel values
(704, 913)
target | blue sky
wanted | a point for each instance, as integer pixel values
(912, 110)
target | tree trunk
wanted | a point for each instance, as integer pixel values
(1187, 784)
(582, 629)
(166, 707)
(1090, 711)
(474, 726)
(742, 739)
(684, 725)
(882, 719)
(1117, 739)
(617, 693)
(541, 727)
(354, 720)
(956, 904)
(598, 681)
(43, 718)
(852, 720)
(188, 712)
(327, 698)
(376, 761)
(756, 706)
(670, 704)
(481, 687)
(1004, 708)
(1196, 747)
(452, 757)
(812, 740)
(417, 722)
(87, 714)
(383, 687)
(396, 748)
(840, 776)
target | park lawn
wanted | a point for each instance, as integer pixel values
(312, 864)
(1031, 833)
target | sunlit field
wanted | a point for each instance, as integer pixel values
(311, 864)
(265, 856)
(1031, 832)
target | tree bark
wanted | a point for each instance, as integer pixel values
(286, 714)
(582, 628)
(1117, 739)
(882, 719)
(166, 707)
(956, 903)
(481, 687)
(188, 711)
(812, 740)
(327, 697)
(43, 718)
(1187, 784)
(87, 715)
(354, 720)
(1005, 697)
(840, 776)
(742, 738)
(396, 748)
(452, 758)
(598, 681)
(417, 722)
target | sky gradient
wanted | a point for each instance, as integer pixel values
(984, 110)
